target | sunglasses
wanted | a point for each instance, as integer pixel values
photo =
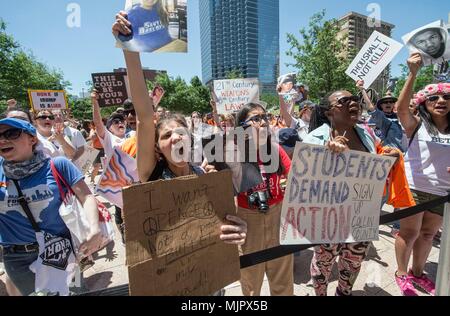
(434, 98)
(128, 112)
(11, 134)
(257, 119)
(345, 101)
(118, 121)
(44, 117)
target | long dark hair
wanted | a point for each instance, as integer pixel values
(427, 120)
(241, 117)
(318, 115)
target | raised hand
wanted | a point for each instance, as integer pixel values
(122, 25)
(414, 63)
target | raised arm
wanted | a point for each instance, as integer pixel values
(143, 105)
(407, 119)
(287, 117)
(97, 116)
(368, 102)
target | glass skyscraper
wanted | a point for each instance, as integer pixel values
(240, 36)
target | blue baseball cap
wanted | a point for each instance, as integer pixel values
(20, 124)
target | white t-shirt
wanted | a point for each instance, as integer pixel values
(75, 137)
(301, 127)
(426, 162)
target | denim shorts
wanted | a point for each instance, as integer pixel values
(17, 266)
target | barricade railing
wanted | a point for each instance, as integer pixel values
(443, 275)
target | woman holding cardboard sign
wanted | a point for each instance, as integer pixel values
(428, 174)
(157, 144)
(334, 123)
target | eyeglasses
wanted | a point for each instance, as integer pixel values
(257, 119)
(345, 101)
(128, 112)
(44, 117)
(118, 121)
(434, 98)
(11, 134)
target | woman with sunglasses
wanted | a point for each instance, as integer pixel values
(427, 170)
(54, 134)
(23, 166)
(334, 123)
(261, 206)
(387, 125)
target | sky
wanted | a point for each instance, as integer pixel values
(40, 26)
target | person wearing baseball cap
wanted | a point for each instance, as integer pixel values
(25, 171)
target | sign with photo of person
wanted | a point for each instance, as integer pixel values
(432, 41)
(333, 198)
(286, 88)
(48, 100)
(111, 88)
(373, 58)
(231, 95)
(156, 26)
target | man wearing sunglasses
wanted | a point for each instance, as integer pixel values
(387, 125)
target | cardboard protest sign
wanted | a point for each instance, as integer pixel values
(432, 41)
(333, 198)
(159, 26)
(373, 58)
(172, 233)
(111, 87)
(48, 100)
(232, 95)
(86, 160)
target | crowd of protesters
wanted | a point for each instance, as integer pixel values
(413, 128)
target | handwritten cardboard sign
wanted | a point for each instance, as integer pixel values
(172, 233)
(232, 95)
(333, 198)
(373, 58)
(86, 160)
(48, 100)
(111, 88)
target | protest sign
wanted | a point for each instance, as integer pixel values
(86, 160)
(155, 28)
(111, 88)
(286, 88)
(172, 236)
(432, 41)
(48, 100)
(333, 198)
(232, 95)
(373, 58)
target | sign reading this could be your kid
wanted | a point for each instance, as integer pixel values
(333, 198)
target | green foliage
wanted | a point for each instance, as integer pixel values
(20, 71)
(321, 57)
(234, 74)
(271, 100)
(424, 77)
(182, 97)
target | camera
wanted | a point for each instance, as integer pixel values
(259, 200)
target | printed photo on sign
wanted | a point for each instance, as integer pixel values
(333, 198)
(432, 41)
(48, 100)
(156, 25)
(287, 88)
(373, 58)
(111, 88)
(231, 95)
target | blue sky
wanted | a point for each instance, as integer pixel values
(40, 26)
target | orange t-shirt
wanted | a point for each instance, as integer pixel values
(96, 143)
(400, 195)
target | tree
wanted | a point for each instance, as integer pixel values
(182, 97)
(272, 100)
(321, 57)
(20, 71)
(424, 77)
(234, 74)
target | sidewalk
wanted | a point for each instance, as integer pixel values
(376, 277)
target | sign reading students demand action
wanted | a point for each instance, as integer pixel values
(232, 95)
(373, 58)
(48, 100)
(173, 241)
(333, 198)
(111, 87)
